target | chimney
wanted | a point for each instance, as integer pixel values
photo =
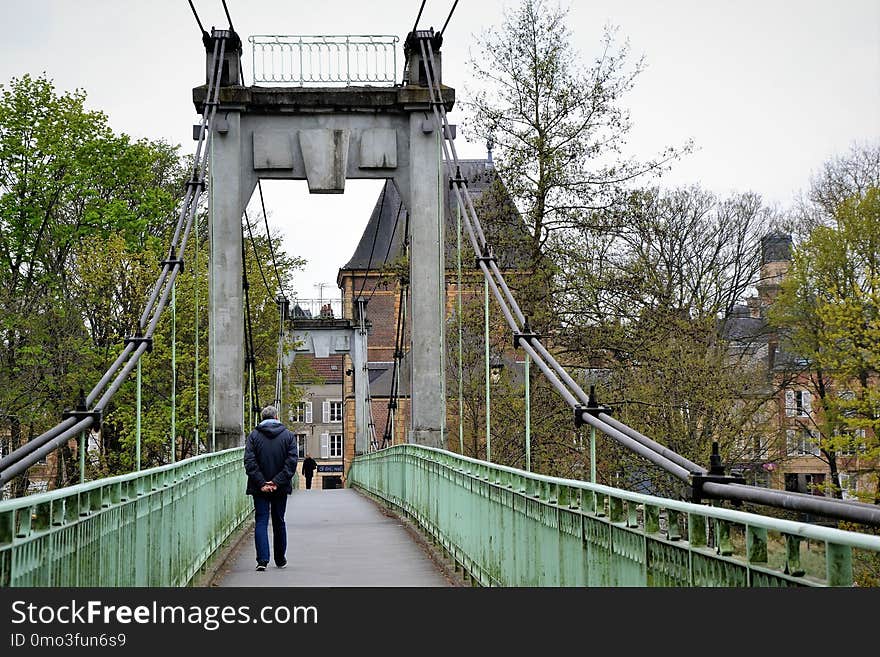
(775, 261)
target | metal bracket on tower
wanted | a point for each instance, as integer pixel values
(412, 39)
(138, 339)
(283, 306)
(458, 179)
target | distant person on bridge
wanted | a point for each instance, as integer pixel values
(309, 467)
(270, 462)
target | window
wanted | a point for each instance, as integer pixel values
(332, 411)
(812, 483)
(852, 441)
(800, 442)
(335, 445)
(301, 439)
(798, 403)
(759, 447)
(302, 412)
(815, 483)
(848, 485)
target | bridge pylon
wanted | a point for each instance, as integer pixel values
(325, 135)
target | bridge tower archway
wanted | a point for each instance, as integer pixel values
(326, 135)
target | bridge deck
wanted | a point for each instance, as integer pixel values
(336, 538)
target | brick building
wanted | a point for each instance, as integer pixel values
(374, 273)
(790, 454)
(316, 420)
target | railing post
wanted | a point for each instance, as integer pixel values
(652, 519)
(756, 544)
(793, 555)
(838, 565)
(697, 534)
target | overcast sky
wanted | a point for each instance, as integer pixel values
(767, 89)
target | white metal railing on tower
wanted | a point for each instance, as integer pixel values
(334, 60)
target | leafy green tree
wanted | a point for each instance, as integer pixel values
(829, 312)
(65, 179)
(85, 218)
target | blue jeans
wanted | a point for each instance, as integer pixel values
(264, 506)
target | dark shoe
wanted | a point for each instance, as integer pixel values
(261, 566)
(283, 564)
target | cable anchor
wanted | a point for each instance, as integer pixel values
(527, 335)
(716, 474)
(593, 407)
(172, 260)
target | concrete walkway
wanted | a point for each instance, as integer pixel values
(336, 538)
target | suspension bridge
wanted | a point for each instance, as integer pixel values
(333, 111)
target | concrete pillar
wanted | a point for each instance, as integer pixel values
(226, 326)
(427, 284)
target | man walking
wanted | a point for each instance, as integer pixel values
(309, 467)
(270, 462)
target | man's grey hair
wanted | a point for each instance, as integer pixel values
(269, 413)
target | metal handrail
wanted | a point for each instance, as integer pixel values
(156, 527)
(463, 503)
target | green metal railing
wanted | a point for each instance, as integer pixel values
(155, 527)
(508, 527)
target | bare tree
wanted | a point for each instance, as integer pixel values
(559, 128)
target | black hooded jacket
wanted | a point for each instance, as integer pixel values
(270, 455)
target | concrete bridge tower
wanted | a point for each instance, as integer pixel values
(325, 135)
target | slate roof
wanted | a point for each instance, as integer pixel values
(381, 373)
(501, 222)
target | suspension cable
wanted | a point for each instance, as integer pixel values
(281, 299)
(196, 273)
(398, 352)
(399, 337)
(451, 11)
(249, 335)
(388, 250)
(196, 14)
(373, 245)
(228, 17)
(256, 255)
(419, 16)
(269, 238)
